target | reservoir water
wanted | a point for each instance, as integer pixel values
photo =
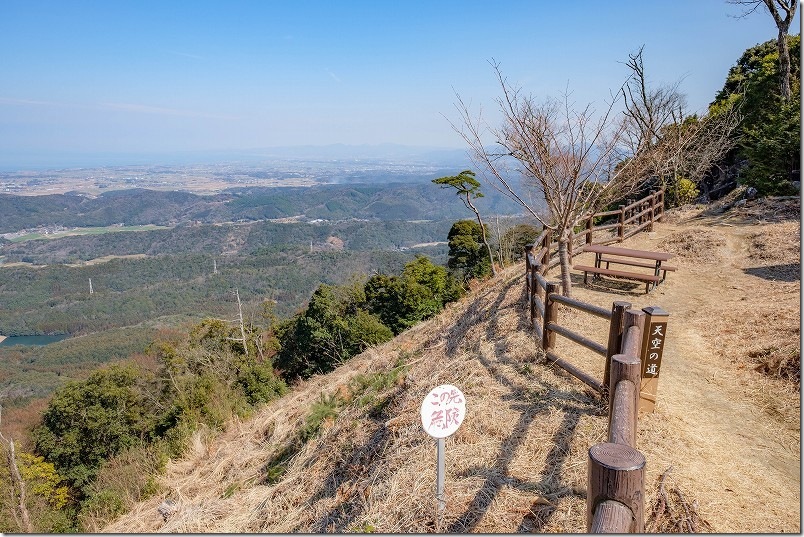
(31, 340)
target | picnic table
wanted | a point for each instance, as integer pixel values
(630, 257)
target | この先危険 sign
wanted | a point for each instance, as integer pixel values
(443, 410)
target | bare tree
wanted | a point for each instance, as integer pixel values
(572, 156)
(581, 160)
(18, 485)
(782, 12)
(671, 142)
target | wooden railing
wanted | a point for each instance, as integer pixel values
(615, 497)
(616, 491)
(631, 219)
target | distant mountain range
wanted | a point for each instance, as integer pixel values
(378, 201)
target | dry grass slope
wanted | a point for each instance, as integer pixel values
(519, 461)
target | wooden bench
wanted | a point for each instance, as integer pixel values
(647, 278)
(622, 261)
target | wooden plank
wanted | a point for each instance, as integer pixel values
(577, 338)
(636, 230)
(607, 226)
(619, 273)
(584, 377)
(628, 252)
(621, 261)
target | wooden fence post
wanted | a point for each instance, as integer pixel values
(590, 226)
(653, 338)
(652, 209)
(550, 316)
(546, 244)
(528, 273)
(534, 292)
(661, 205)
(615, 336)
(621, 227)
(633, 332)
(624, 399)
(616, 472)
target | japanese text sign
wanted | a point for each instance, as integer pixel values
(443, 410)
(654, 345)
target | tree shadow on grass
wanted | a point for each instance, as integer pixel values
(359, 463)
(549, 486)
(789, 272)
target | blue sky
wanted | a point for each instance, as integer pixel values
(138, 76)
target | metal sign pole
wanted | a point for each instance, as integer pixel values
(440, 478)
(442, 412)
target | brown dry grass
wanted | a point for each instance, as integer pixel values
(519, 461)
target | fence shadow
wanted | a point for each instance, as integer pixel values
(549, 486)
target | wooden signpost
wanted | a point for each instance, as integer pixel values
(442, 412)
(653, 339)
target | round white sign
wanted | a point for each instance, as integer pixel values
(443, 410)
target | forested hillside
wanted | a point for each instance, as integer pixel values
(393, 201)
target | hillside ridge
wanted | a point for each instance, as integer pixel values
(518, 462)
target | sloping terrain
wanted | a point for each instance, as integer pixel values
(519, 461)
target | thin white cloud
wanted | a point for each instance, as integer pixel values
(186, 55)
(8, 100)
(124, 107)
(333, 76)
(158, 110)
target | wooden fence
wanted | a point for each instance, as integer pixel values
(630, 219)
(616, 492)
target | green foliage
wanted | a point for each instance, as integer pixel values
(112, 433)
(515, 239)
(467, 255)
(88, 422)
(368, 389)
(42, 479)
(769, 132)
(464, 184)
(260, 384)
(123, 479)
(417, 294)
(324, 410)
(773, 150)
(334, 327)
(681, 192)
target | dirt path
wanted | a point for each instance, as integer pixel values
(741, 464)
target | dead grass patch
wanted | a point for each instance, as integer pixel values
(674, 511)
(776, 243)
(697, 244)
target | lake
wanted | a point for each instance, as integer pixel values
(32, 340)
